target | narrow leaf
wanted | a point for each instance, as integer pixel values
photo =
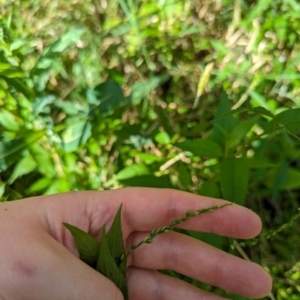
(87, 245)
(107, 266)
(115, 237)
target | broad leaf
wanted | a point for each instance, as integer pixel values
(87, 245)
(234, 179)
(201, 147)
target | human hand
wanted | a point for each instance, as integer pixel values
(39, 259)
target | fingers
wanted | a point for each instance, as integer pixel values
(51, 272)
(145, 209)
(149, 285)
(203, 262)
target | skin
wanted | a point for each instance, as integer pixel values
(39, 259)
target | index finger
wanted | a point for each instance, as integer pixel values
(145, 209)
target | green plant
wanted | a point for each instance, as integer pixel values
(109, 257)
(193, 95)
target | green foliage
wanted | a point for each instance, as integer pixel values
(191, 95)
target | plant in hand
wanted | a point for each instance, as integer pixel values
(109, 256)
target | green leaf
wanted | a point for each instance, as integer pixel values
(201, 147)
(162, 138)
(20, 87)
(222, 126)
(87, 245)
(107, 266)
(8, 120)
(184, 176)
(148, 181)
(259, 163)
(24, 166)
(9, 71)
(256, 110)
(210, 189)
(110, 94)
(234, 179)
(289, 120)
(140, 90)
(40, 185)
(240, 131)
(147, 158)
(132, 171)
(75, 135)
(280, 178)
(12, 147)
(115, 237)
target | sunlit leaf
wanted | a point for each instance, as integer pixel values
(8, 120)
(133, 171)
(24, 166)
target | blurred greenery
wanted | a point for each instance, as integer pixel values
(202, 96)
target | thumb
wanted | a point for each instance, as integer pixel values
(58, 274)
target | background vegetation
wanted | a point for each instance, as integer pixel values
(199, 95)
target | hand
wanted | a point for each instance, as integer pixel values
(39, 259)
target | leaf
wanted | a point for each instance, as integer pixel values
(87, 245)
(75, 135)
(240, 131)
(210, 189)
(259, 163)
(110, 94)
(280, 178)
(132, 171)
(107, 266)
(140, 90)
(222, 126)
(8, 120)
(13, 146)
(201, 147)
(39, 185)
(9, 71)
(20, 87)
(257, 110)
(184, 176)
(289, 120)
(148, 181)
(115, 237)
(165, 121)
(24, 166)
(234, 179)
(162, 138)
